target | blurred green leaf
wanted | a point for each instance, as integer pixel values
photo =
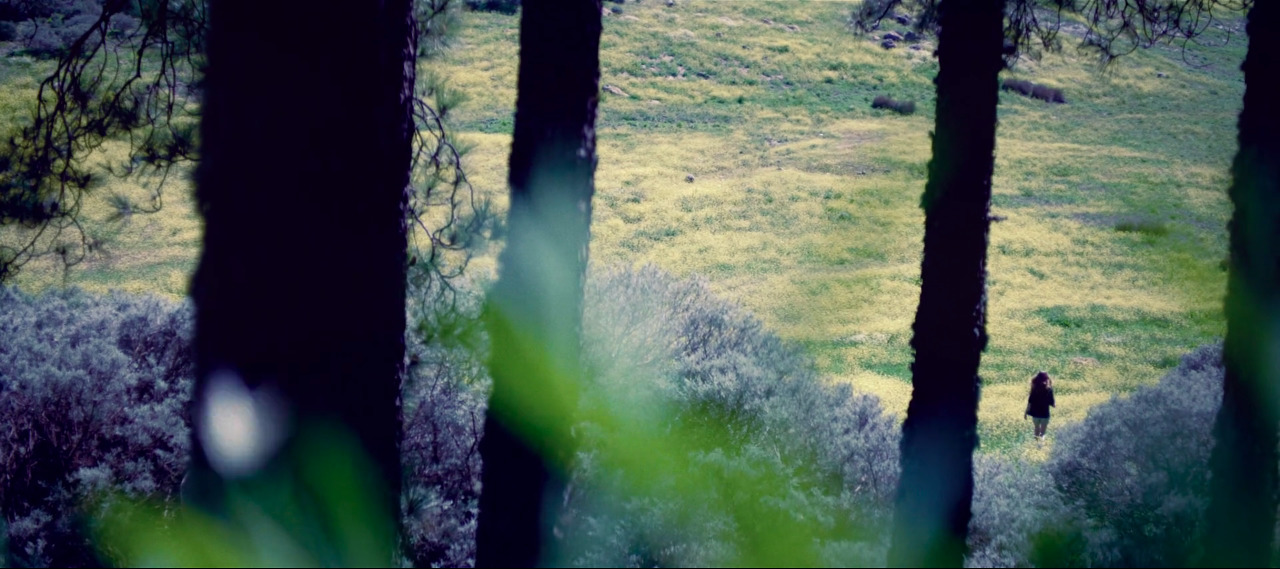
(315, 506)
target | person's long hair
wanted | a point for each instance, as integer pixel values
(1041, 382)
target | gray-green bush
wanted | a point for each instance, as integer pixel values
(108, 379)
(48, 28)
(93, 393)
(1137, 467)
(1019, 518)
(804, 448)
(1127, 486)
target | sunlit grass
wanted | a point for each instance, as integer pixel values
(804, 200)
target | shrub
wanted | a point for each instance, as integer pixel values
(1018, 86)
(40, 41)
(8, 31)
(703, 363)
(1019, 519)
(1048, 94)
(652, 340)
(1033, 90)
(900, 107)
(50, 29)
(507, 7)
(1137, 467)
(756, 415)
(444, 396)
(1143, 226)
(123, 24)
(92, 396)
(103, 383)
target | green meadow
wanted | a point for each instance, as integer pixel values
(737, 141)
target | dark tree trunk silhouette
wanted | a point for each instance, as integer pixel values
(306, 139)
(940, 433)
(1242, 507)
(534, 313)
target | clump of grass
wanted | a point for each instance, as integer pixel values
(1144, 226)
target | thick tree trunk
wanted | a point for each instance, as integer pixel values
(534, 314)
(306, 141)
(1242, 507)
(940, 433)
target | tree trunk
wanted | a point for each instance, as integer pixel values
(1242, 507)
(534, 313)
(940, 433)
(306, 141)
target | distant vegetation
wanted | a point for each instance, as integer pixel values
(900, 107)
(1033, 90)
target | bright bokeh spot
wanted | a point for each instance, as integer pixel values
(240, 429)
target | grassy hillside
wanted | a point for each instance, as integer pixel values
(803, 203)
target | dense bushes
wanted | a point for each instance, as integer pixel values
(752, 413)
(663, 349)
(1126, 487)
(501, 6)
(444, 396)
(45, 29)
(93, 395)
(94, 392)
(1138, 467)
(1018, 516)
(102, 383)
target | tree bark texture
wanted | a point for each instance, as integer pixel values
(1242, 508)
(935, 491)
(306, 139)
(534, 312)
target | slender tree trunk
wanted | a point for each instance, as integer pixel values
(1242, 507)
(534, 314)
(940, 433)
(306, 140)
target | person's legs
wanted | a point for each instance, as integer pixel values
(1042, 425)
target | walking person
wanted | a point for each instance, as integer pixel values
(1039, 402)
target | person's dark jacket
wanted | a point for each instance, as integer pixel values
(1039, 402)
